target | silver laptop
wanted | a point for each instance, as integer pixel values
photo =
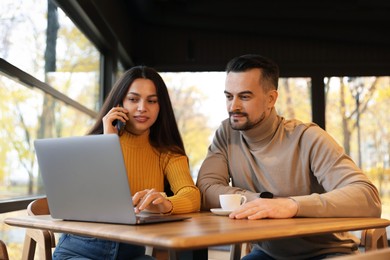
(85, 180)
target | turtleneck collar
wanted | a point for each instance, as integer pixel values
(129, 139)
(263, 132)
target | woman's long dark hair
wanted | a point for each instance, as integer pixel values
(164, 133)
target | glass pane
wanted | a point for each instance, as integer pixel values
(28, 114)
(199, 105)
(78, 62)
(23, 28)
(294, 99)
(357, 116)
(28, 44)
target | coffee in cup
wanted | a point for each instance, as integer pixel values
(231, 202)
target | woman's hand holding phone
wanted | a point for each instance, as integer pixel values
(115, 120)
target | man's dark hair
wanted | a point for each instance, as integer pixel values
(270, 70)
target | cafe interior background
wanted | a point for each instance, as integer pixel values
(58, 60)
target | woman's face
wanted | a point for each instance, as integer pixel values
(142, 103)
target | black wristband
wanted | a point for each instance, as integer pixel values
(266, 195)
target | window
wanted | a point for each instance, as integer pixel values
(357, 117)
(69, 64)
(294, 99)
(49, 87)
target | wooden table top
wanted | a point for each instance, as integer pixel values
(204, 229)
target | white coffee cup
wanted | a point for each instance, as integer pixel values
(231, 201)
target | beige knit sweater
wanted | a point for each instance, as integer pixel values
(290, 159)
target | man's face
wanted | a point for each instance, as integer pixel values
(246, 100)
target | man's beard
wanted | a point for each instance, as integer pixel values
(245, 126)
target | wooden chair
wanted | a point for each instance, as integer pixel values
(44, 239)
(380, 254)
(3, 251)
(371, 239)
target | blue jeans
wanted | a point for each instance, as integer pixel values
(83, 248)
(257, 254)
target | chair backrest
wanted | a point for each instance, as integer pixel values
(38, 207)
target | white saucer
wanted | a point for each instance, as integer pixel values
(221, 212)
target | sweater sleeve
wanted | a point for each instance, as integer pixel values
(186, 196)
(214, 178)
(348, 191)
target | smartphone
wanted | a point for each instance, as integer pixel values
(119, 125)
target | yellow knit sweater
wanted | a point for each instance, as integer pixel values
(146, 169)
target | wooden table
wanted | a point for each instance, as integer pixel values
(202, 230)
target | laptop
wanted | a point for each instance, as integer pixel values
(85, 179)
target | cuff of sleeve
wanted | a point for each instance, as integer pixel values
(251, 195)
(306, 206)
(169, 212)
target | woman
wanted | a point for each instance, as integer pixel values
(153, 152)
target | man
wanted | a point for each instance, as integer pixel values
(256, 152)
